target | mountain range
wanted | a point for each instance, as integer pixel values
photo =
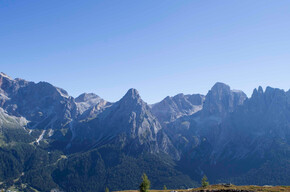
(49, 139)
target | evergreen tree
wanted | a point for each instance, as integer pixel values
(204, 182)
(145, 185)
(164, 187)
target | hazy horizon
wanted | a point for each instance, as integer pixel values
(160, 48)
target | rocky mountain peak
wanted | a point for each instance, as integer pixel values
(220, 88)
(180, 95)
(132, 94)
(125, 121)
(220, 85)
(271, 90)
(131, 98)
(84, 97)
(5, 81)
(195, 99)
(89, 104)
(260, 90)
(43, 89)
(10, 86)
(179, 105)
(266, 97)
(3, 75)
(221, 100)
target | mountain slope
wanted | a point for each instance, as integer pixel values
(49, 139)
(128, 123)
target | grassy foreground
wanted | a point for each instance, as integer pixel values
(248, 187)
(233, 187)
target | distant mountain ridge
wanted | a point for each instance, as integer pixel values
(223, 134)
(172, 108)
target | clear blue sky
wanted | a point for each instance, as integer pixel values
(160, 47)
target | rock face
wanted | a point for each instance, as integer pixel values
(132, 116)
(171, 108)
(87, 101)
(263, 119)
(9, 87)
(43, 105)
(89, 105)
(220, 134)
(188, 131)
(130, 124)
(221, 100)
